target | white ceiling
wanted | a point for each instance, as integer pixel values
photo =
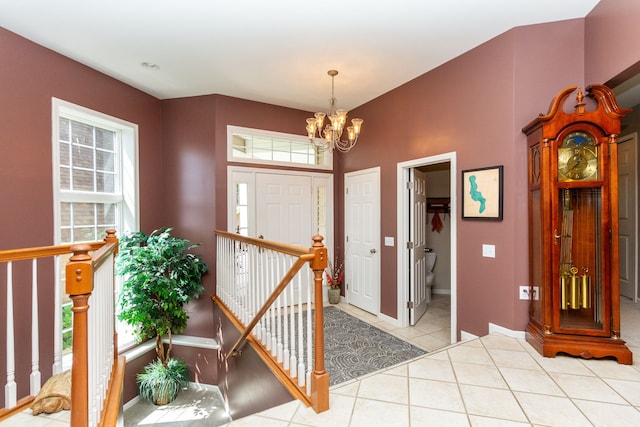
(276, 51)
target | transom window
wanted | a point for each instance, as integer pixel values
(247, 145)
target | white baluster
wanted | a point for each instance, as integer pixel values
(34, 379)
(10, 388)
(301, 368)
(57, 317)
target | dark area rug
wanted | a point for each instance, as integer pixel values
(354, 348)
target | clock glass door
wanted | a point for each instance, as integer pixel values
(580, 264)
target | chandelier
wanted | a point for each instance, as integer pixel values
(330, 136)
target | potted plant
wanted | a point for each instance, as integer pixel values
(335, 276)
(160, 276)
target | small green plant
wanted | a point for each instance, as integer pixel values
(160, 276)
(161, 384)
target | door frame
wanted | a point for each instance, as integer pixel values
(403, 235)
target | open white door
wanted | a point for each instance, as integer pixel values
(417, 188)
(362, 239)
(627, 213)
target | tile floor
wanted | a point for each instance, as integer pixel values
(489, 381)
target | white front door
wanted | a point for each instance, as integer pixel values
(283, 208)
(417, 248)
(627, 202)
(362, 239)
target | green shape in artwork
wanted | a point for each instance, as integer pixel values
(475, 194)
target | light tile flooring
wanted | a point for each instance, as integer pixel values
(489, 381)
(492, 381)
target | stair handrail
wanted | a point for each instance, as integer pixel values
(79, 279)
(317, 257)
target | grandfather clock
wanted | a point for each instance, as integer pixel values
(573, 227)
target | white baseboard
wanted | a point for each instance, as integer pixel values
(441, 291)
(389, 319)
(504, 331)
(183, 340)
(466, 336)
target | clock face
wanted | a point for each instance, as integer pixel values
(578, 157)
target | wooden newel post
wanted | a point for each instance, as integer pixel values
(319, 376)
(79, 285)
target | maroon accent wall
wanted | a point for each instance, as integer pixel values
(29, 76)
(611, 41)
(474, 105)
(195, 173)
(246, 383)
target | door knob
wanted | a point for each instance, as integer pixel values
(373, 251)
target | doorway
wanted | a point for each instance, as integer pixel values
(404, 172)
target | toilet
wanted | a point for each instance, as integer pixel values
(431, 260)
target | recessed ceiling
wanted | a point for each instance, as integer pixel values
(276, 51)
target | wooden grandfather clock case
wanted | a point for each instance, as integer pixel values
(573, 226)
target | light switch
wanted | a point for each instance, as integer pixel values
(388, 241)
(489, 251)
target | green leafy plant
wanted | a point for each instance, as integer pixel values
(161, 384)
(160, 276)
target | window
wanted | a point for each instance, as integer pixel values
(95, 185)
(273, 148)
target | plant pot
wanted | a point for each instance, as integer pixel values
(334, 295)
(160, 384)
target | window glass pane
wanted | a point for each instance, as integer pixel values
(84, 234)
(261, 154)
(63, 125)
(82, 156)
(105, 161)
(65, 180)
(64, 153)
(65, 235)
(82, 133)
(83, 213)
(105, 139)
(105, 182)
(241, 193)
(106, 213)
(82, 180)
(65, 214)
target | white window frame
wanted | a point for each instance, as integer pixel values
(327, 156)
(128, 194)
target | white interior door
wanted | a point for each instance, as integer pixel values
(417, 248)
(283, 208)
(627, 214)
(362, 239)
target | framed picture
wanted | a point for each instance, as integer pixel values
(482, 193)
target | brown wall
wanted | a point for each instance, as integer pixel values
(470, 105)
(30, 76)
(611, 42)
(195, 173)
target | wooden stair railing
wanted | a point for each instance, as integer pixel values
(86, 274)
(262, 293)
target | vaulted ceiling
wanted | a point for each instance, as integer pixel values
(276, 51)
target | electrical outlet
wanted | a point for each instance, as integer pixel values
(524, 292)
(489, 251)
